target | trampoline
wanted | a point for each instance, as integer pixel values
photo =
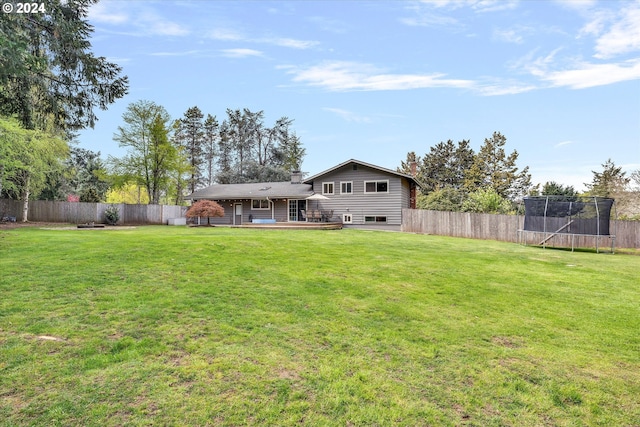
(567, 221)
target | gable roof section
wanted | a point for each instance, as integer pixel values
(369, 165)
(253, 190)
(280, 190)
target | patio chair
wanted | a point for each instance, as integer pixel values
(303, 214)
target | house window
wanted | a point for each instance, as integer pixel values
(327, 188)
(347, 219)
(259, 204)
(376, 219)
(376, 186)
(346, 187)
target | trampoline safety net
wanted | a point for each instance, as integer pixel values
(571, 215)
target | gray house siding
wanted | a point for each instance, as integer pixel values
(360, 204)
(405, 196)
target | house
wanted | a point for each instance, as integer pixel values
(353, 192)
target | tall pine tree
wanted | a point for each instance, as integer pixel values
(190, 134)
(211, 141)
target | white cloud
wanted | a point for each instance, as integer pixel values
(427, 19)
(616, 31)
(138, 17)
(575, 72)
(586, 75)
(562, 144)
(623, 36)
(348, 115)
(105, 13)
(329, 25)
(479, 5)
(508, 35)
(226, 34)
(345, 76)
(185, 53)
(118, 59)
(241, 53)
(493, 5)
(290, 43)
(576, 4)
(161, 27)
(504, 88)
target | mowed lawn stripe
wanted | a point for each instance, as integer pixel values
(216, 326)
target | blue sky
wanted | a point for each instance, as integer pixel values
(375, 80)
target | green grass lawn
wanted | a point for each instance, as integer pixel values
(230, 327)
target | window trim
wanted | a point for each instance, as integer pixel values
(350, 187)
(333, 188)
(260, 208)
(376, 182)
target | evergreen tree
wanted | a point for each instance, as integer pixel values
(211, 141)
(48, 74)
(446, 165)
(611, 181)
(225, 156)
(83, 172)
(405, 166)
(552, 188)
(190, 133)
(249, 151)
(492, 168)
(293, 153)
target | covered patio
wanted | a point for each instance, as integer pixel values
(265, 205)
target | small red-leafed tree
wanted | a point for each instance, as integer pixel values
(207, 208)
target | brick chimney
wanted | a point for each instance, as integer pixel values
(296, 177)
(413, 166)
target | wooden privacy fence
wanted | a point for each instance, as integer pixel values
(499, 227)
(81, 213)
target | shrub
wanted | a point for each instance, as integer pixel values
(112, 215)
(446, 199)
(487, 200)
(205, 208)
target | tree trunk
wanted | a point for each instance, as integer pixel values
(1, 177)
(25, 201)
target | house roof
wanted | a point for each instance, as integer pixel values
(253, 190)
(369, 165)
(279, 190)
